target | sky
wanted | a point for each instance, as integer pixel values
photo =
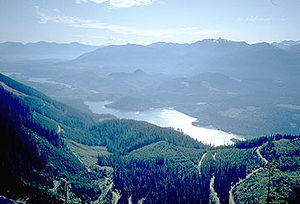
(105, 22)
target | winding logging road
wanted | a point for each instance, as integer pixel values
(260, 156)
(200, 162)
(231, 198)
(211, 186)
(212, 180)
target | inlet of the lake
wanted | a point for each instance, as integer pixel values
(47, 80)
(168, 117)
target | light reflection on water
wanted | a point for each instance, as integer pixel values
(165, 117)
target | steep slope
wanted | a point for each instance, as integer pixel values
(37, 147)
(51, 153)
(278, 182)
(159, 173)
(34, 157)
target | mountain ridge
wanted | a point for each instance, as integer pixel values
(42, 50)
(206, 55)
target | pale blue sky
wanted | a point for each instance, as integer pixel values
(103, 22)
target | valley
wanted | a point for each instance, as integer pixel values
(80, 159)
(262, 98)
(140, 135)
(149, 102)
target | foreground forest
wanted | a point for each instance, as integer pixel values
(52, 153)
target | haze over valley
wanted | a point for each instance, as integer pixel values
(219, 82)
(149, 101)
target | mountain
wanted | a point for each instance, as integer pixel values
(128, 58)
(295, 49)
(285, 44)
(51, 153)
(242, 85)
(42, 50)
(229, 57)
(34, 157)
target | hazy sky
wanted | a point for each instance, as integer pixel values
(145, 21)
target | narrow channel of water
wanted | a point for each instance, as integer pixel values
(47, 80)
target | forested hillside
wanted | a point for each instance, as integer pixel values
(51, 153)
(33, 152)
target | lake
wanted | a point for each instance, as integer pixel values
(168, 117)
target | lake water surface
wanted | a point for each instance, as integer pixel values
(165, 117)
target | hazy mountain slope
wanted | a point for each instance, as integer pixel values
(295, 49)
(127, 58)
(234, 58)
(286, 44)
(239, 83)
(42, 50)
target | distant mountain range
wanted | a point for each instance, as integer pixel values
(169, 58)
(242, 85)
(229, 57)
(286, 44)
(42, 50)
